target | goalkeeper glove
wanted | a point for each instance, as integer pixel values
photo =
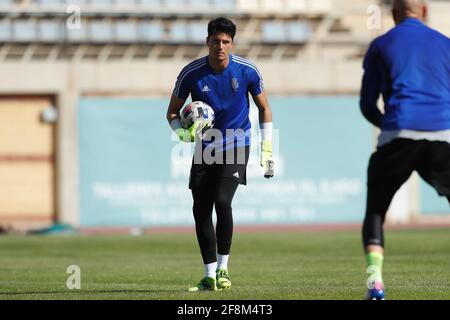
(188, 135)
(266, 158)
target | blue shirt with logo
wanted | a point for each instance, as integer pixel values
(226, 92)
(410, 67)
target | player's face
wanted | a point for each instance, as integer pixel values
(219, 45)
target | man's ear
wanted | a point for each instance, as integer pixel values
(424, 13)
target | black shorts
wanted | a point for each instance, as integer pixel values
(392, 164)
(233, 165)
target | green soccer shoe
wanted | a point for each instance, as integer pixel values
(223, 279)
(206, 284)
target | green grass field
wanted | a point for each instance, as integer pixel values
(325, 265)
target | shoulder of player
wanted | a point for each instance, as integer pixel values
(436, 35)
(193, 66)
(385, 39)
(245, 64)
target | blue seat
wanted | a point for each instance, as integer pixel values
(179, 4)
(298, 32)
(198, 32)
(126, 31)
(152, 3)
(50, 30)
(224, 4)
(49, 3)
(179, 32)
(198, 3)
(45, 3)
(273, 31)
(150, 31)
(24, 30)
(100, 31)
(5, 30)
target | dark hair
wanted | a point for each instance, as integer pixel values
(221, 25)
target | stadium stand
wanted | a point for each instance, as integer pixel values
(266, 28)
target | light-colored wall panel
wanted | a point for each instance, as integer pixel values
(21, 131)
(26, 189)
(27, 174)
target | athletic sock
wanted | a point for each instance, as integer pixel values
(374, 265)
(222, 261)
(210, 269)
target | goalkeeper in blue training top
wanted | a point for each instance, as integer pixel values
(223, 81)
(410, 67)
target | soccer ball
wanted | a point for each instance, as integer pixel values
(197, 111)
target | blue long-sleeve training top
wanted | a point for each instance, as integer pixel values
(410, 67)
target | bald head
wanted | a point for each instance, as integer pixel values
(402, 9)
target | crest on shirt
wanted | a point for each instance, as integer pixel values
(234, 84)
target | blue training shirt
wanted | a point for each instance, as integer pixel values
(226, 92)
(410, 66)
